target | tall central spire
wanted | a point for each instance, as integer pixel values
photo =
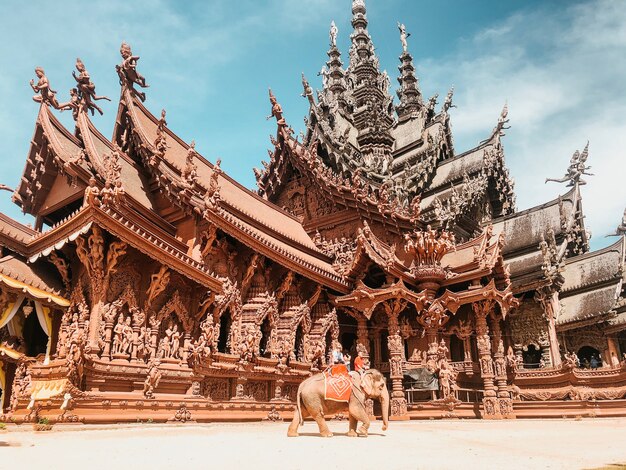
(372, 114)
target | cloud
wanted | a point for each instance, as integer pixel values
(563, 75)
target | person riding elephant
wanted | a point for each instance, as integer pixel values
(311, 401)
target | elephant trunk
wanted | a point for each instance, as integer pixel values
(384, 404)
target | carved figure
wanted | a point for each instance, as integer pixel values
(46, 95)
(86, 89)
(403, 36)
(310, 402)
(127, 71)
(333, 34)
(152, 379)
(577, 168)
(277, 111)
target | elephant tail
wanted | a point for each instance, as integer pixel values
(299, 406)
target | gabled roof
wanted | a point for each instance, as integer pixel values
(241, 213)
(592, 286)
(38, 280)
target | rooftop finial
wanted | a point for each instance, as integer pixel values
(86, 89)
(45, 93)
(403, 36)
(277, 111)
(127, 71)
(333, 34)
(358, 4)
(621, 228)
(577, 168)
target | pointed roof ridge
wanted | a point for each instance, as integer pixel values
(409, 93)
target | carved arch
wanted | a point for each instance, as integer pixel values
(176, 305)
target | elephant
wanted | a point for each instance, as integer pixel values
(311, 402)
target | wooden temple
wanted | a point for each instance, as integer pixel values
(153, 286)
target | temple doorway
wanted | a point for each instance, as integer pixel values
(266, 332)
(225, 324)
(329, 346)
(589, 357)
(35, 339)
(531, 356)
(298, 347)
(457, 351)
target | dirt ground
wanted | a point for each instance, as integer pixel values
(461, 445)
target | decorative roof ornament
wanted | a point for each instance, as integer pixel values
(428, 247)
(160, 142)
(127, 71)
(190, 172)
(333, 34)
(45, 94)
(551, 266)
(277, 111)
(577, 168)
(621, 228)
(86, 90)
(447, 103)
(403, 37)
(308, 91)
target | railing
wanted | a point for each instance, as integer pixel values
(466, 395)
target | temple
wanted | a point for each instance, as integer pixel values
(155, 287)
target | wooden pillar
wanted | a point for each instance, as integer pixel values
(490, 410)
(396, 356)
(504, 395)
(549, 299)
(363, 347)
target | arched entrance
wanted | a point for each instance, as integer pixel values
(589, 357)
(225, 325)
(35, 339)
(531, 356)
(266, 332)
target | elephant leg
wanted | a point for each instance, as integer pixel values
(321, 423)
(295, 422)
(352, 429)
(357, 411)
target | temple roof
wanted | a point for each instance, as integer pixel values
(592, 285)
(241, 213)
(39, 280)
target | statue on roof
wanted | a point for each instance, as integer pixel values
(333, 34)
(621, 228)
(325, 74)
(403, 36)
(127, 71)
(277, 111)
(308, 91)
(577, 168)
(73, 104)
(45, 93)
(87, 89)
(447, 103)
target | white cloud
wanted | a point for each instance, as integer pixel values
(564, 76)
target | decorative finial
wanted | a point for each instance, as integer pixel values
(45, 93)
(577, 168)
(127, 71)
(447, 104)
(277, 111)
(403, 36)
(308, 91)
(621, 228)
(333, 34)
(86, 89)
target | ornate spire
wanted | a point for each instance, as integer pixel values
(410, 96)
(333, 73)
(372, 114)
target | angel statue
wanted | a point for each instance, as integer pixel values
(87, 89)
(403, 36)
(45, 93)
(127, 70)
(333, 34)
(577, 168)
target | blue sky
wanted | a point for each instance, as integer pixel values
(560, 65)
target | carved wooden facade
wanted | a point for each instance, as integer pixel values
(165, 290)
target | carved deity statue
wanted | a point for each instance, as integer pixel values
(333, 34)
(46, 95)
(277, 111)
(153, 378)
(403, 36)
(127, 71)
(86, 89)
(577, 168)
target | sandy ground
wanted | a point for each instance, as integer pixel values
(461, 445)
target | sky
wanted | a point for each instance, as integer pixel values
(559, 65)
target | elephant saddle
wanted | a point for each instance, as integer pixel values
(337, 383)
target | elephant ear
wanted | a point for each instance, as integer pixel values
(367, 384)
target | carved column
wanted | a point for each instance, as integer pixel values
(549, 299)
(396, 356)
(504, 396)
(377, 347)
(363, 347)
(108, 331)
(483, 341)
